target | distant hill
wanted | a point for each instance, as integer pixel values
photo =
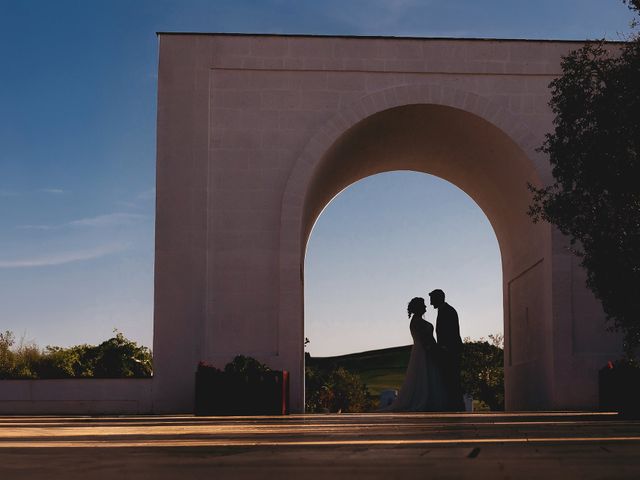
(482, 373)
(379, 369)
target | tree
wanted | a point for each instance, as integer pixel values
(594, 152)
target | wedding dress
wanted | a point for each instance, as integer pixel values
(422, 389)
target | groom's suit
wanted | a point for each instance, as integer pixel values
(450, 347)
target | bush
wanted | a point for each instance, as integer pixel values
(7, 357)
(242, 365)
(336, 391)
(55, 362)
(17, 362)
(245, 387)
(482, 372)
(117, 357)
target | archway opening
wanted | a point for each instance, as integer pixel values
(490, 167)
(380, 242)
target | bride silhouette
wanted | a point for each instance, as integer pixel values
(422, 389)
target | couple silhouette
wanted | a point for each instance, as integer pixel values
(432, 382)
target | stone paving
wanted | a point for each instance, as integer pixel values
(420, 445)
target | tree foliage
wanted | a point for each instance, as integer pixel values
(594, 152)
(117, 357)
(338, 390)
(242, 365)
(482, 371)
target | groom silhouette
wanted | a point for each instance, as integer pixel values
(450, 350)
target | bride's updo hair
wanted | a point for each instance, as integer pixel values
(414, 305)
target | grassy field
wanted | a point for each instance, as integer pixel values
(379, 369)
(482, 374)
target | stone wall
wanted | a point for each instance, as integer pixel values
(120, 396)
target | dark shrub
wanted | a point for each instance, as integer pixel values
(242, 365)
(336, 391)
(482, 373)
(245, 387)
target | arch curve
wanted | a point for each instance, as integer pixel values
(438, 130)
(392, 97)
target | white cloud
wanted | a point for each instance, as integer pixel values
(53, 191)
(61, 258)
(124, 203)
(147, 194)
(139, 201)
(35, 227)
(108, 220)
(404, 18)
(398, 4)
(100, 221)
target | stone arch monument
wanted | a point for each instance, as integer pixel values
(257, 133)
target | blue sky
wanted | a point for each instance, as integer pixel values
(77, 165)
(386, 239)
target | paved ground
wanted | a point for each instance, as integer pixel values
(371, 446)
